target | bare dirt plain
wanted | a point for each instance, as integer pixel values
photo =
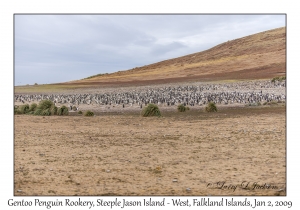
(177, 154)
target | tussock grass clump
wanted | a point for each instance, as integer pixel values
(24, 109)
(33, 107)
(45, 108)
(80, 112)
(211, 107)
(46, 112)
(17, 110)
(89, 113)
(151, 110)
(181, 108)
(53, 110)
(45, 104)
(63, 110)
(38, 111)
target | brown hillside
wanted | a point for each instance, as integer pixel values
(257, 56)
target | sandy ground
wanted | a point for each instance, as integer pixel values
(192, 153)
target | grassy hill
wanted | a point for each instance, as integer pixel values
(257, 56)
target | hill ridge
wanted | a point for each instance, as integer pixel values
(256, 56)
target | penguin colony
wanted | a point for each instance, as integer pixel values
(249, 92)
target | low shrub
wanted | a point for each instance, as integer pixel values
(211, 107)
(89, 113)
(80, 112)
(63, 110)
(151, 110)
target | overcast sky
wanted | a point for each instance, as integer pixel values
(60, 48)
